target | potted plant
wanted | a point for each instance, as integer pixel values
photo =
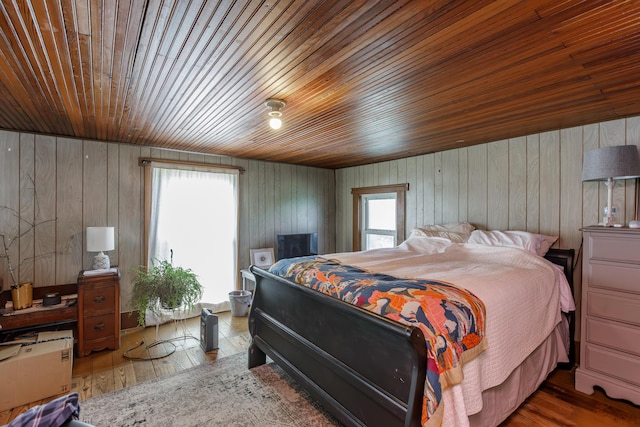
(21, 292)
(164, 286)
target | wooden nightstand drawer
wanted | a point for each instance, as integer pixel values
(621, 277)
(613, 335)
(99, 300)
(98, 327)
(618, 365)
(618, 248)
(620, 307)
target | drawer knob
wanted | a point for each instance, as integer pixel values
(99, 326)
(99, 299)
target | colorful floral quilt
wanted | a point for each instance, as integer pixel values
(451, 318)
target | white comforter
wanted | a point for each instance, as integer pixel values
(522, 292)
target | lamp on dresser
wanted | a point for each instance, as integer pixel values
(100, 239)
(608, 164)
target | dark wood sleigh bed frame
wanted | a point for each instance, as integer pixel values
(332, 349)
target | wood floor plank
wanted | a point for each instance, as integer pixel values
(199, 357)
(81, 384)
(102, 380)
(143, 371)
(124, 376)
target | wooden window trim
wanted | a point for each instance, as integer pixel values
(358, 226)
(147, 163)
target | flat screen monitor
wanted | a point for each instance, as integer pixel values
(296, 245)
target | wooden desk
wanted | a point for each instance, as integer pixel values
(21, 321)
(66, 314)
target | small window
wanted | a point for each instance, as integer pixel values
(379, 219)
(378, 216)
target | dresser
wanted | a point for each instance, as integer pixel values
(98, 310)
(610, 319)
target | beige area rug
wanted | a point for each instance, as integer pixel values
(220, 393)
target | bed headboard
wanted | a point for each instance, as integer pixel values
(565, 258)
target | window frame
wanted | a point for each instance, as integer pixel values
(148, 163)
(367, 229)
(358, 209)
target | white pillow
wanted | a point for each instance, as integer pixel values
(546, 243)
(457, 232)
(451, 235)
(537, 244)
(456, 227)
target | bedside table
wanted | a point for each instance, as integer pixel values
(98, 310)
(248, 280)
(610, 318)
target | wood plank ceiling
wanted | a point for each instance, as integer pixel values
(364, 81)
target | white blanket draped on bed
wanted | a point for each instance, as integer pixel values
(522, 292)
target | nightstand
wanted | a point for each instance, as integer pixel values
(610, 319)
(98, 310)
(248, 280)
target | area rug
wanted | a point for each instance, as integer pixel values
(220, 393)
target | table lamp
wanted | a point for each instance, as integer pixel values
(608, 164)
(100, 239)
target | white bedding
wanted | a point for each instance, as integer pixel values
(522, 292)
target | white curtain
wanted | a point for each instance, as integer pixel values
(194, 216)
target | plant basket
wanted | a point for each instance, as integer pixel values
(22, 295)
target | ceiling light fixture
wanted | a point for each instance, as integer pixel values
(274, 106)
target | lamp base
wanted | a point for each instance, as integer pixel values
(609, 210)
(609, 221)
(101, 261)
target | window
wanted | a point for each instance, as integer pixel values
(378, 216)
(191, 220)
(379, 221)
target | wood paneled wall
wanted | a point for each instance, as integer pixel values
(532, 183)
(63, 185)
(529, 183)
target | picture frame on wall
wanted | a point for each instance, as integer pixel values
(262, 258)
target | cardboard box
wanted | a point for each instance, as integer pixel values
(39, 370)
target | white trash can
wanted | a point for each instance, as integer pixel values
(240, 301)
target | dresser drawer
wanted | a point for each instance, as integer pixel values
(623, 277)
(615, 335)
(614, 306)
(622, 366)
(619, 248)
(98, 327)
(99, 300)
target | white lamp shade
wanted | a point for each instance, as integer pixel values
(617, 162)
(100, 239)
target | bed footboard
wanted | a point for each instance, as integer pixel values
(363, 368)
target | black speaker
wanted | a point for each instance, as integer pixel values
(208, 330)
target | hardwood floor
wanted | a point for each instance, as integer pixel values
(555, 403)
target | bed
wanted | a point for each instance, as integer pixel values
(367, 369)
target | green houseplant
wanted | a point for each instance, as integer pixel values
(164, 285)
